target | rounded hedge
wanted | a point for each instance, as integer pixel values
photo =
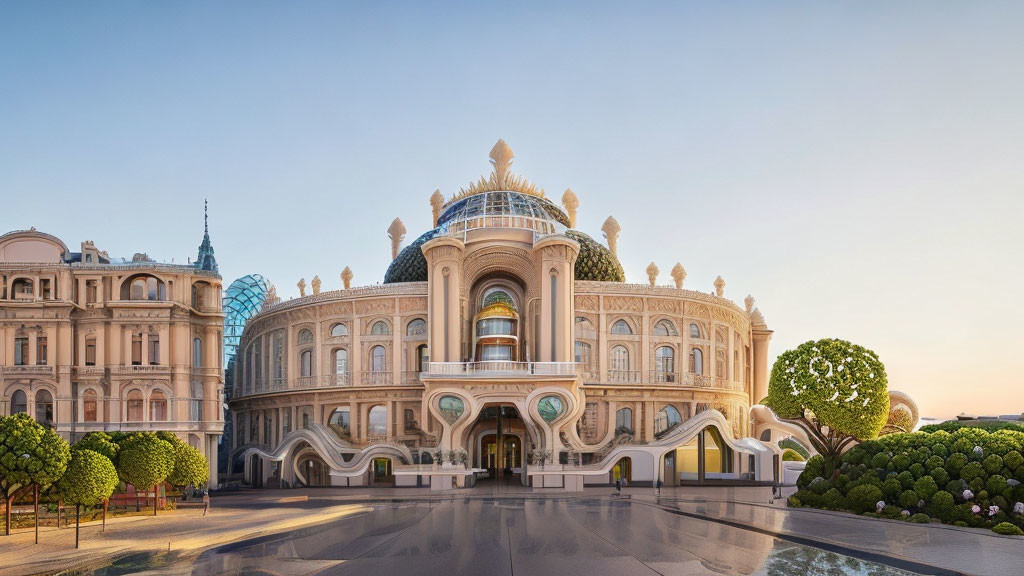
(1007, 529)
(864, 498)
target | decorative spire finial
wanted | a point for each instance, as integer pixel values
(749, 302)
(652, 272)
(316, 284)
(346, 277)
(611, 231)
(719, 286)
(436, 202)
(302, 287)
(571, 203)
(678, 274)
(206, 216)
(206, 259)
(396, 232)
(501, 159)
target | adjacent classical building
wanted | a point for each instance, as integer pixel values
(89, 343)
(503, 343)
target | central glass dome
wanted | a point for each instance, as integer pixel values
(502, 209)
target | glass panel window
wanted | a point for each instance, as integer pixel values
(157, 406)
(667, 419)
(44, 407)
(378, 421)
(339, 422)
(134, 406)
(665, 328)
(694, 331)
(624, 421)
(197, 353)
(496, 353)
(696, 361)
(492, 326)
(665, 360)
(19, 402)
(154, 349)
(620, 358)
(339, 330)
(378, 359)
(380, 328)
(341, 362)
(582, 353)
(136, 349)
(305, 336)
(417, 327)
(422, 358)
(20, 351)
(90, 352)
(41, 350)
(306, 364)
(621, 327)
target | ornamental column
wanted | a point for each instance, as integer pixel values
(761, 336)
(555, 258)
(444, 288)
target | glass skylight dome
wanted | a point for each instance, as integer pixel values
(502, 209)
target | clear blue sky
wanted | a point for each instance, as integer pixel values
(855, 166)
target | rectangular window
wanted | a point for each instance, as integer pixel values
(44, 289)
(90, 291)
(154, 349)
(90, 409)
(90, 353)
(136, 349)
(20, 351)
(41, 350)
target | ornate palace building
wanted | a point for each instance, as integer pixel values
(504, 343)
(87, 343)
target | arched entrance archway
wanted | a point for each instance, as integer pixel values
(382, 472)
(311, 470)
(497, 441)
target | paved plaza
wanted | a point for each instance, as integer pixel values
(507, 530)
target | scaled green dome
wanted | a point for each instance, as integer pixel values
(595, 262)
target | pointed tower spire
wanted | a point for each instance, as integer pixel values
(206, 259)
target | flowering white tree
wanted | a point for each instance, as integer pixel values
(835, 390)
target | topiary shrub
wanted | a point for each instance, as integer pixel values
(880, 460)
(954, 463)
(992, 464)
(901, 462)
(1007, 529)
(819, 485)
(814, 468)
(940, 476)
(909, 499)
(941, 505)
(891, 511)
(996, 484)
(807, 498)
(1013, 460)
(833, 500)
(917, 469)
(891, 489)
(864, 498)
(925, 487)
(793, 502)
(920, 519)
(906, 479)
(971, 471)
(933, 462)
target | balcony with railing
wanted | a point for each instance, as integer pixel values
(661, 378)
(375, 378)
(500, 368)
(28, 370)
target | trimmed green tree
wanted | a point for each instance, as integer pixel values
(835, 390)
(89, 480)
(145, 460)
(99, 442)
(31, 455)
(190, 467)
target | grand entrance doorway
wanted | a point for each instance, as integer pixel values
(496, 442)
(381, 472)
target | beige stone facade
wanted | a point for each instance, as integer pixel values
(502, 343)
(87, 343)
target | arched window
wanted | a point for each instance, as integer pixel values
(694, 331)
(417, 327)
(157, 406)
(720, 363)
(624, 421)
(696, 361)
(665, 328)
(197, 352)
(380, 328)
(377, 424)
(667, 419)
(305, 336)
(138, 290)
(620, 360)
(89, 406)
(306, 364)
(199, 295)
(44, 407)
(495, 295)
(665, 362)
(339, 422)
(422, 358)
(22, 287)
(339, 330)
(621, 327)
(134, 405)
(19, 402)
(195, 409)
(584, 327)
(144, 288)
(582, 353)
(378, 359)
(341, 362)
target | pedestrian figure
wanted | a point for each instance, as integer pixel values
(618, 487)
(206, 502)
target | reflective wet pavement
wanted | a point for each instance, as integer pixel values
(568, 537)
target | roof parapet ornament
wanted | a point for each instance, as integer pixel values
(436, 203)
(500, 178)
(346, 277)
(316, 284)
(749, 303)
(571, 203)
(652, 273)
(719, 286)
(679, 275)
(396, 232)
(301, 284)
(757, 319)
(611, 231)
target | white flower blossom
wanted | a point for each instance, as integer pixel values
(905, 513)
(978, 450)
(976, 509)
(1018, 508)
(993, 510)
(880, 505)
(968, 494)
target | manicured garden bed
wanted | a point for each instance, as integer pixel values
(968, 477)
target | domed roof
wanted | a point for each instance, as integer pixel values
(595, 262)
(503, 209)
(411, 264)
